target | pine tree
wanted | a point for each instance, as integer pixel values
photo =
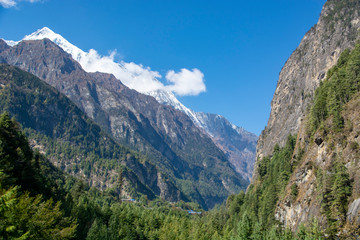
(340, 192)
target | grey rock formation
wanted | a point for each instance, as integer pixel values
(336, 30)
(353, 214)
(238, 144)
(307, 204)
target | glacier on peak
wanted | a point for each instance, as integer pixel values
(128, 73)
(11, 43)
(76, 53)
(121, 71)
(168, 98)
(133, 75)
(199, 118)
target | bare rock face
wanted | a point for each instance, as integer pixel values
(318, 161)
(354, 211)
(238, 144)
(336, 30)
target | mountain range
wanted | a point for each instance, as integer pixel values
(306, 178)
(240, 152)
(188, 163)
(238, 144)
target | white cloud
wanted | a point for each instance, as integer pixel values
(13, 3)
(141, 78)
(135, 76)
(7, 3)
(186, 82)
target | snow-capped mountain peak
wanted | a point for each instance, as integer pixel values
(46, 32)
(133, 75)
(168, 98)
(41, 33)
(11, 43)
(226, 136)
(199, 119)
(161, 95)
(122, 73)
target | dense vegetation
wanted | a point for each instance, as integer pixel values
(78, 146)
(340, 85)
(70, 139)
(254, 212)
(326, 121)
(335, 190)
(24, 214)
(39, 201)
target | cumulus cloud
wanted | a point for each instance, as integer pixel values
(186, 82)
(141, 78)
(135, 76)
(13, 3)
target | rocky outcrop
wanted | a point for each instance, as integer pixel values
(354, 211)
(336, 30)
(317, 162)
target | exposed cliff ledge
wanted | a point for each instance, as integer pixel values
(336, 30)
(318, 164)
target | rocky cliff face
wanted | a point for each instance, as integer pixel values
(167, 136)
(324, 165)
(336, 30)
(312, 177)
(238, 144)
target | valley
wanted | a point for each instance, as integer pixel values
(86, 154)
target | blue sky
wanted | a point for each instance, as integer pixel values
(239, 46)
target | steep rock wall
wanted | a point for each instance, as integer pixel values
(336, 30)
(321, 153)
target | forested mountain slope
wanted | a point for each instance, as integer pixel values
(167, 136)
(313, 181)
(307, 181)
(57, 206)
(310, 186)
(74, 143)
(325, 183)
(307, 170)
(237, 143)
(39, 201)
